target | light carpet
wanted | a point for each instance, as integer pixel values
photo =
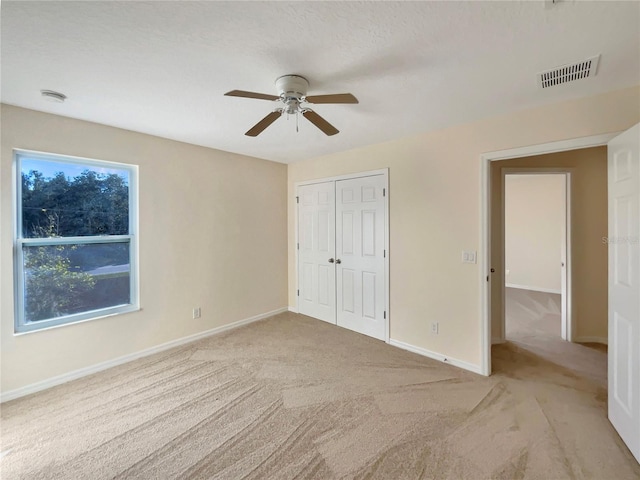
(292, 398)
(533, 323)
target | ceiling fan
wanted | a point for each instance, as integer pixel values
(293, 99)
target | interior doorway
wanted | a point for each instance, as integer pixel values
(537, 232)
(617, 292)
(586, 268)
(589, 292)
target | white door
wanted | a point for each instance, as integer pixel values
(624, 286)
(360, 255)
(316, 245)
(566, 328)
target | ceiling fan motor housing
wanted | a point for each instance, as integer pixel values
(292, 86)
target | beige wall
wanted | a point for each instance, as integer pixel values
(534, 217)
(435, 210)
(588, 226)
(212, 234)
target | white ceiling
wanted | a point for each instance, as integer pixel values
(162, 67)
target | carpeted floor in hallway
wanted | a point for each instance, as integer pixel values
(533, 323)
(292, 398)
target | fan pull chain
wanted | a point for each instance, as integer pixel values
(297, 131)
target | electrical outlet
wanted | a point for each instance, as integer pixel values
(197, 313)
(434, 328)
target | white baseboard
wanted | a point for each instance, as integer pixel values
(293, 309)
(83, 372)
(535, 289)
(436, 356)
(603, 340)
(498, 341)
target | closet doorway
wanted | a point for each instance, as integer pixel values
(342, 254)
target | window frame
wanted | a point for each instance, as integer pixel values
(22, 326)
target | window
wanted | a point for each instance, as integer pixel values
(75, 244)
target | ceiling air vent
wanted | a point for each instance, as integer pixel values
(569, 73)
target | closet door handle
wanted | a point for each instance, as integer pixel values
(338, 261)
(331, 260)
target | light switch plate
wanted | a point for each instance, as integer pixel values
(468, 256)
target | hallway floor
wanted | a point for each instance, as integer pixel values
(533, 323)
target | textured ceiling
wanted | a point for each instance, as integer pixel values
(162, 67)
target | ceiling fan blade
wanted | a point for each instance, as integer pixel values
(320, 122)
(334, 98)
(262, 124)
(259, 96)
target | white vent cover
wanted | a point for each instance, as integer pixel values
(569, 73)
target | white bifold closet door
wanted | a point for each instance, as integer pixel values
(316, 251)
(360, 247)
(341, 253)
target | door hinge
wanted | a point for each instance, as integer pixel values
(385, 314)
(297, 199)
(385, 253)
(298, 245)
(298, 292)
(487, 278)
(384, 192)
